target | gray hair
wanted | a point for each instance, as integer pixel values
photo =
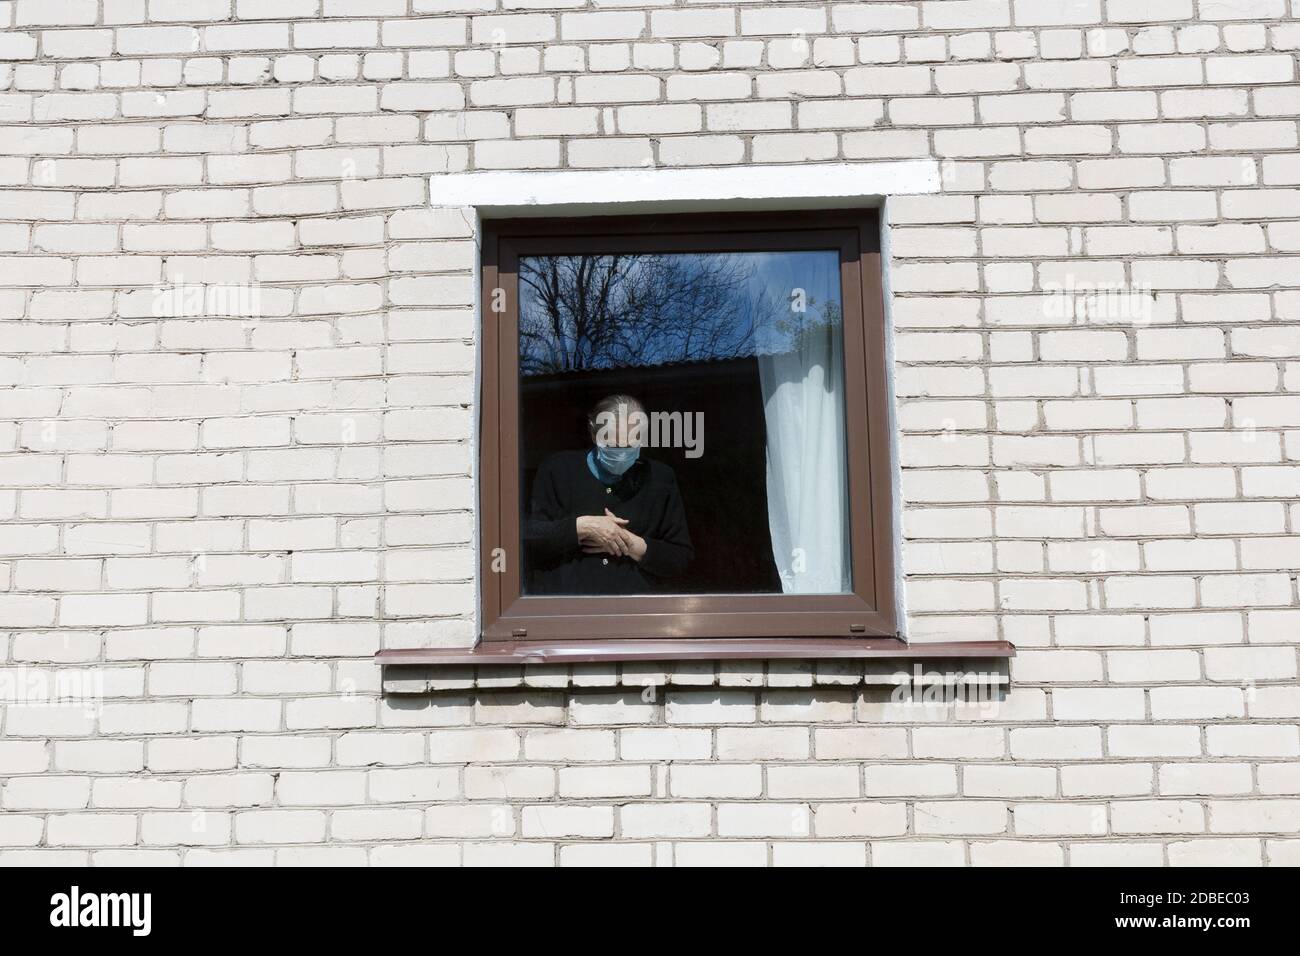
(619, 404)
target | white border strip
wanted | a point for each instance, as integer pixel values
(621, 187)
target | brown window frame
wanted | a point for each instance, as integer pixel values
(866, 612)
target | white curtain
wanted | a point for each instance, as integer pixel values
(807, 493)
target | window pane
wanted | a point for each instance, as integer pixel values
(682, 423)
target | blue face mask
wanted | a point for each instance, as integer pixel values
(617, 459)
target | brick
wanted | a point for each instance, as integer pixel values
(235, 512)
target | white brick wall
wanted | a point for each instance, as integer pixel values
(211, 521)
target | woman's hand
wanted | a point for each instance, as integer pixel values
(635, 545)
(603, 534)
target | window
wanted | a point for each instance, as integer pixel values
(684, 430)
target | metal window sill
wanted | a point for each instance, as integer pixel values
(516, 653)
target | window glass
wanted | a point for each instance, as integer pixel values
(682, 423)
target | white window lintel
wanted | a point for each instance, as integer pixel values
(809, 185)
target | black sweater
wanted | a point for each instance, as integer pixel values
(646, 496)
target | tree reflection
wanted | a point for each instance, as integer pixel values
(609, 311)
(586, 312)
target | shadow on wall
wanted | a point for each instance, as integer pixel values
(913, 692)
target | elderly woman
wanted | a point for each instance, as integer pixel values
(604, 520)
